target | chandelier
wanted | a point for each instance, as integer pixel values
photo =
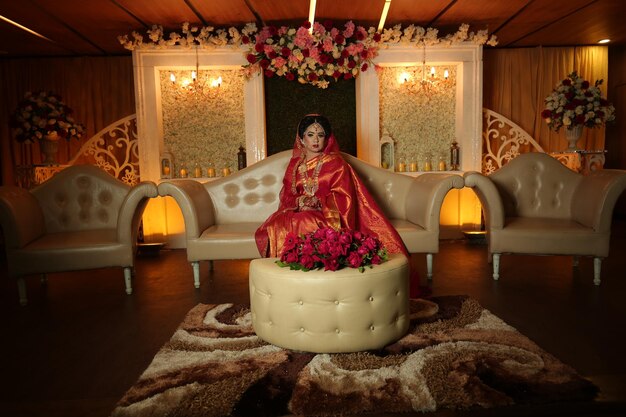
(425, 82)
(196, 84)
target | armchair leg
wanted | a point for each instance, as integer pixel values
(597, 263)
(196, 274)
(127, 280)
(496, 266)
(21, 289)
(429, 266)
(211, 266)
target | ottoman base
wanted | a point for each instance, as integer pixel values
(328, 312)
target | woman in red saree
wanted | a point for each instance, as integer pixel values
(320, 189)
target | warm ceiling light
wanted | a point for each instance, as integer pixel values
(312, 14)
(383, 16)
(604, 41)
(32, 32)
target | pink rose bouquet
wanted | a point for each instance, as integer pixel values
(332, 250)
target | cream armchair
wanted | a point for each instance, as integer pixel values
(82, 218)
(221, 216)
(535, 205)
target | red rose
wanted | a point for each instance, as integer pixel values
(290, 76)
(245, 40)
(336, 74)
(330, 264)
(259, 47)
(567, 81)
(347, 75)
(305, 53)
(306, 24)
(264, 63)
(307, 261)
(251, 58)
(269, 73)
(345, 53)
(364, 53)
(546, 114)
(328, 24)
(364, 67)
(340, 39)
(584, 85)
(291, 257)
(354, 260)
(376, 37)
(312, 76)
(285, 52)
(376, 260)
(272, 54)
(351, 64)
(360, 35)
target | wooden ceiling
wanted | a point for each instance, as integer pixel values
(91, 27)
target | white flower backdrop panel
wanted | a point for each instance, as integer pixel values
(204, 127)
(422, 127)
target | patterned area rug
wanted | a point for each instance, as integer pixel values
(457, 355)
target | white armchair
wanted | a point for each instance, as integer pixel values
(82, 218)
(535, 205)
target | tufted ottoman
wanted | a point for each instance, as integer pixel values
(324, 312)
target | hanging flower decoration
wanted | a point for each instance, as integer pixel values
(332, 250)
(574, 101)
(43, 114)
(317, 58)
(327, 53)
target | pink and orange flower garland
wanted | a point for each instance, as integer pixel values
(332, 250)
(326, 54)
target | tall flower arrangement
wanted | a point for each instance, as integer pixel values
(44, 115)
(574, 102)
(332, 250)
(327, 53)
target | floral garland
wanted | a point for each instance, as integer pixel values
(332, 250)
(575, 102)
(312, 57)
(44, 115)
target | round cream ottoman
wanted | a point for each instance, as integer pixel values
(326, 312)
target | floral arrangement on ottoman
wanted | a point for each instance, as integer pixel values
(341, 293)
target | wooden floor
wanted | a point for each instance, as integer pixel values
(82, 342)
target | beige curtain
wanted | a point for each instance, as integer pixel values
(100, 90)
(516, 82)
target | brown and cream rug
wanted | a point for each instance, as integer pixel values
(457, 355)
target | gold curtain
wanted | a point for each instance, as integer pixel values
(100, 90)
(516, 82)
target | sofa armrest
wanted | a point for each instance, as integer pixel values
(595, 198)
(21, 217)
(489, 197)
(195, 203)
(425, 198)
(132, 209)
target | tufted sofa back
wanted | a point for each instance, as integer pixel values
(536, 185)
(250, 195)
(81, 197)
(388, 189)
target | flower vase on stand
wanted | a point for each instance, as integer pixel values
(49, 149)
(573, 134)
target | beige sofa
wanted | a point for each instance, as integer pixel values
(535, 205)
(82, 218)
(221, 216)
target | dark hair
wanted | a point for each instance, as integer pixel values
(309, 120)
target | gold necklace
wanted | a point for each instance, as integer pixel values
(310, 184)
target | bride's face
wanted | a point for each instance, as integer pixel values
(314, 139)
